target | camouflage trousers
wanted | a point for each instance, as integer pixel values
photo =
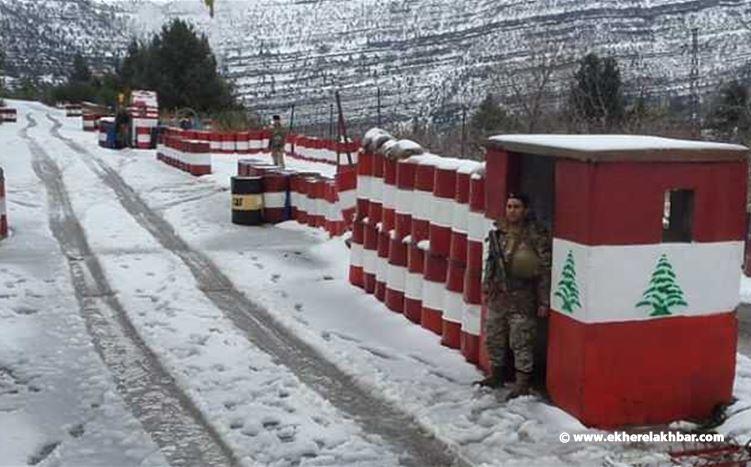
(512, 322)
(277, 156)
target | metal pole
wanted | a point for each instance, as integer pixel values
(342, 125)
(464, 128)
(331, 121)
(378, 89)
(695, 82)
(292, 128)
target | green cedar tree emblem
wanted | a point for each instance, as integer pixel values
(664, 292)
(568, 291)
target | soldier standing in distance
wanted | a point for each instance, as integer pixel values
(277, 140)
(516, 283)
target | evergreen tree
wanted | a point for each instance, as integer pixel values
(568, 291)
(490, 117)
(664, 292)
(81, 72)
(180, 66)
(597, 95)
(730, 114)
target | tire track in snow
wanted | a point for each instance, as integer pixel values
(167, 414)
(374, 415)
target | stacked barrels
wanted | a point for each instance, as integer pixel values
(477, 228)
(453, 303)
(422, 216)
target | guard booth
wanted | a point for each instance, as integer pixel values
(648, 237)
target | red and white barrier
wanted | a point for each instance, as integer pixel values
(3, 213)
(275, 192)
(189, 156)
(396, 277)
(439, 235)
(90, 121)
(73, 110)
(7, 115)
(419, 233)
(477, 229)
(453, 303)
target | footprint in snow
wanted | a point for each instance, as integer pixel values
(275, 278)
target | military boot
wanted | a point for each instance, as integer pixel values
(521, 387)
(493, 380)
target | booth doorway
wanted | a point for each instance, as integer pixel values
(535, 176)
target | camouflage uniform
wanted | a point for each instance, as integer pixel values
(513, 302)
(276, 144)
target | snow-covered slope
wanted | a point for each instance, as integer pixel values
(427, 56)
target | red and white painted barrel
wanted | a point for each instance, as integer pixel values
(143, 137)
(364, 174)
(396, 276)
(384, 195)
(346, 188)
(419, 231)
(89, 121)
(439, 235)
(102, 133)
(453, 302)
(477, 229)
(317, 202)
(356, 275)
(242, 142)
(375, 216)
(215, 142)
(335, 225)
(7, 114)
(3, 212)
(73, 110)
(303, 188)
(228, 142)
(275, 192)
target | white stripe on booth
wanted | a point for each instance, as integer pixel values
(612, 280)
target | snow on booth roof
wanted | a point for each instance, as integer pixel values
(603, 148)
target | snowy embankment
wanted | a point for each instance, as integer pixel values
(258, 406)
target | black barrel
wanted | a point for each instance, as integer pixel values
(247, 200)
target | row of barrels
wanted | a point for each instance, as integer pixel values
(257, 141)
(8, 114)
(189, 156)
(417, 239)
(73, 110)
(322, 150)
(306, 197)
(223, 142)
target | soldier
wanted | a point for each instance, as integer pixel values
(516, 283)
(277, 140)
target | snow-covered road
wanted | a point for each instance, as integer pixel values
(148, 330)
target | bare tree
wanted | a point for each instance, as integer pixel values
(530, 87)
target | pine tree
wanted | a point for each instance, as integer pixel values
(597, 95)
(664, 292)
(179, 65)
(568, 291)
(80, 74)
(731, 113)
(491, 118)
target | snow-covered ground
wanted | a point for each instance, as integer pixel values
(52, 382)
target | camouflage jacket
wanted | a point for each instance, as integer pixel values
(497, 277)
(278, 137)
